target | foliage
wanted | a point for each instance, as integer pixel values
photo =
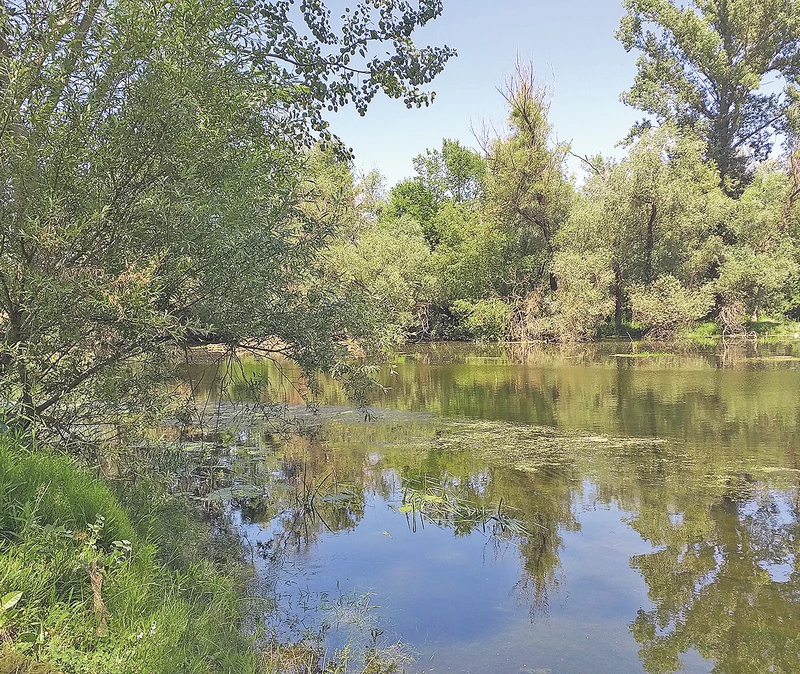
(154, 192)
(754, 281)
(702, 66)
(98, 593)
(386, 269)
(666, 306)
(454, 173)
(757, 271)
(471, 260)
(527, 192)
(583, 300)
(485, 320)
(657, 212)
(410, 197)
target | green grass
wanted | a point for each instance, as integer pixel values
(703, 330)
(170, 608)
(773, 328)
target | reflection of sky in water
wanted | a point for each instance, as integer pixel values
(461, 601)
(673, 553)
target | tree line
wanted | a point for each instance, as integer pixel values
(697, 222)
(169, 180)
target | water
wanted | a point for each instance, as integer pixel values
(550, 510)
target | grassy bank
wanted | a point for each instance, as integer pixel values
(94, 582)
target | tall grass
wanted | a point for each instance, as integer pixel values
(154, 609)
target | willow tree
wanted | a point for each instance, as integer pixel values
(704, 65)
(152, 170)
(657, 213)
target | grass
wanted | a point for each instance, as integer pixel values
(777, 328)
(773, 328)
(101, 590)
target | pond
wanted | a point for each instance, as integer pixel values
(507, 509)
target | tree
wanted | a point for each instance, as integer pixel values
(666, 305)
(386, 271)
(455, 173)
(703, 65)
(655, 213)
(411, 197)
(527, 191)
(152, 172)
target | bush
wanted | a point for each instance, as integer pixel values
(580, 306)
(485, 320)
(667, 306)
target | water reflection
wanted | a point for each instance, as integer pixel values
(657, 501)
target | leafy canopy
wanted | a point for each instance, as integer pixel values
(154, 186)
(703, 65)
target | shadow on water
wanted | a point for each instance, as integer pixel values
(533, 511)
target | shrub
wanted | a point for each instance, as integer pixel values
(485, 320)
(667, 306)
(578, 308)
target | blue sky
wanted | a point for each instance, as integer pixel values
(573, 48)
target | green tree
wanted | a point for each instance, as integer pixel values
(527, 191)
(386, 273)
(455, 173)
(666, 305)
(411, 197)
(154, 185)
(655, 213)
(757, 267)
(703, 64)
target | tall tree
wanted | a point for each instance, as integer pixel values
(455, 173)
(655, 213)
(527, 189)
(703, 65)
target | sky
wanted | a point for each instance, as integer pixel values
(572, 46)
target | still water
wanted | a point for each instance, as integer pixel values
(597, 509)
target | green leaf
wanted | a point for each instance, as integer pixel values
(10, 600)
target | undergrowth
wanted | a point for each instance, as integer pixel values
(98, 585)
(105, 578)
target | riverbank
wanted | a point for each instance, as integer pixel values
(98, 579)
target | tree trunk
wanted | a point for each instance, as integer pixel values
(617, 298)
(649, 244)
(794, 189)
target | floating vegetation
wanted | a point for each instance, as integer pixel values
(530, 448)
(439, 502)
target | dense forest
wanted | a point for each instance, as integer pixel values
(504, 244)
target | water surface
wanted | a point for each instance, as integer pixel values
(548, 510)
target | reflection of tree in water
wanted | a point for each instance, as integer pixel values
(309, 496)
(726, 582)
(545, 498)
(541, 502)
(321, 485)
